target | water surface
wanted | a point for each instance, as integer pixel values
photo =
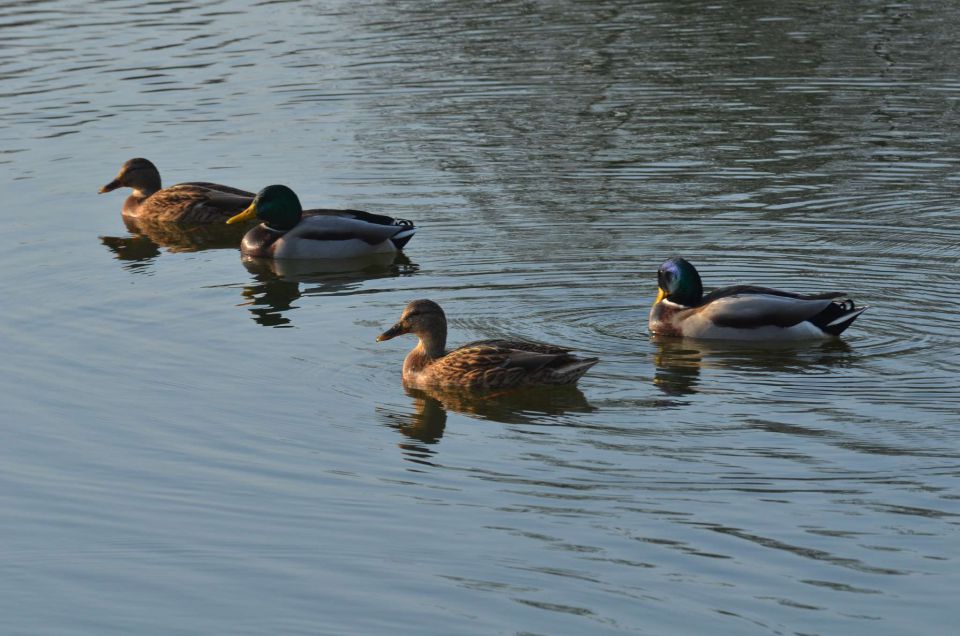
(193, 444)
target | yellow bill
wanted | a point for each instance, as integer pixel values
(247, 215)
(660, 293)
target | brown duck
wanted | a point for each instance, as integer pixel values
(194, 202)
(485, 364)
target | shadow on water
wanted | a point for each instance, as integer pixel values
(426, 422)
(276, 283)
(680, 361)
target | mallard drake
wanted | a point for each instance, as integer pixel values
(195, 202)
(485, 364)
(289, 232)
(743, 312)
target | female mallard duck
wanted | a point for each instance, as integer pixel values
(485, 364)
(743, 312)
(195, 202)
(287, 233)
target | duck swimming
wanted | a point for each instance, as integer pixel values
(289, 232)
(485, 364)
(195, 202)
(743, 312)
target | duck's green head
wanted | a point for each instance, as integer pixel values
(276, 205)
(679, 282)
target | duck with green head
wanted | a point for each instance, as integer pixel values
(287, 231)
(743, 312)
(194, 202)
(485, 364)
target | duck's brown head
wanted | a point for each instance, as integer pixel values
(139, 174)
(421, 317)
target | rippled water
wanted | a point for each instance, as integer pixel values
(196, 445)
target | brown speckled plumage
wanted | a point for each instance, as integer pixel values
(193, 202)
(486, 364)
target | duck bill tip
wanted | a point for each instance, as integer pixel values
(390, 333)
(113, 185)
(248, 214)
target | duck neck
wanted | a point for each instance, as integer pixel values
(432, 345)
(426, 351)
(147, 185)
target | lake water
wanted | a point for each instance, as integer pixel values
(189, 445)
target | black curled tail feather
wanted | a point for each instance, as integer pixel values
(403, 237)
(379, 219)
(837, 316)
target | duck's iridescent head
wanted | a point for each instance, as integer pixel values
(420, 317)
(679, 282)
(139, 174)
(275, 205)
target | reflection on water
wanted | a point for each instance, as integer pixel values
(424, 424)
(276, 283)
(182, 238)
(148, 239)
(680, 361)
(428, 418)
(137, 252)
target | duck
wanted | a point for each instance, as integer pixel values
(289, 232)
(194, 202)
(743, 312)
(484, 364)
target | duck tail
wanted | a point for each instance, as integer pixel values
(837, 317)
(572, 371)
(403, 237)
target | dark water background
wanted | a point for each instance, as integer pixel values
(189, 445)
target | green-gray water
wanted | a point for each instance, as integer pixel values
(189, 445)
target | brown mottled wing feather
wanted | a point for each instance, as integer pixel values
(501, 363)
(228, 200)
(220, 188)
(186, 203)
(480, 366)
(520, 345)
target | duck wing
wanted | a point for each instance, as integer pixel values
(194, 203)
(228, 201)
(220, 188)
(519, 355)
(756, 307)
(519, 345)
(325, 226)
(359, 215)
(507, 363)
(737, 290)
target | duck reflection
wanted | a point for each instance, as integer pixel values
(276, 283)
(679, 361)
(148, 237)
(425, 424)
(137, 252)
